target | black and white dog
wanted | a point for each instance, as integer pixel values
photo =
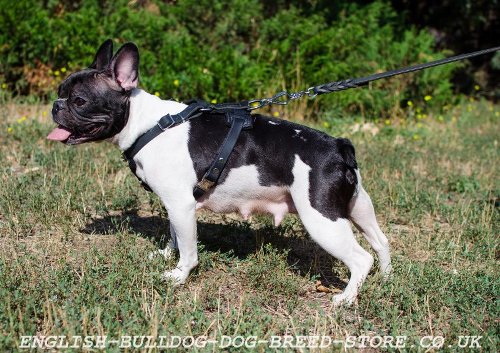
(276, 167)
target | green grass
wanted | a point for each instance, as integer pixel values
(75, 228)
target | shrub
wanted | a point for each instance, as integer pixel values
(225, 50)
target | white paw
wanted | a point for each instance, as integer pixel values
(167, 253)
(177, 275)
(343, 299)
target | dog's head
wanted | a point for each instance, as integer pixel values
(93, 103)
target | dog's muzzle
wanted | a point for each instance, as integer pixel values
(58, 105)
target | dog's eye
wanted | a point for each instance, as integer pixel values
(79, 101)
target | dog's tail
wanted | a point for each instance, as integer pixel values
(348, 154)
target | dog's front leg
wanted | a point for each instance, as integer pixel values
(183, 223)
(169, 249)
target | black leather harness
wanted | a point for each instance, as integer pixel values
(238, 117)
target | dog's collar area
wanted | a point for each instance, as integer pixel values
(238, 117)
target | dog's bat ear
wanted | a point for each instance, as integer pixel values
(103, 55)
(125, 66)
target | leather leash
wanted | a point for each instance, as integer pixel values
(238, 116)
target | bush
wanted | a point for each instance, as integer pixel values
(225, 50)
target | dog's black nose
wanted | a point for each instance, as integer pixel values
(58, 105)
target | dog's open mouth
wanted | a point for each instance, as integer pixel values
(60, 133)
(64, 135)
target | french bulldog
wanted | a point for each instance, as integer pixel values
(277, 167)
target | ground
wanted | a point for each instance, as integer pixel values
(76, 228)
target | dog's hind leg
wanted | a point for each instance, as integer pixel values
(335, 236)
(362, 214)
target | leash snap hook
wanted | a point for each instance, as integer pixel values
(281, 98)
(257, 103)
(310, 92)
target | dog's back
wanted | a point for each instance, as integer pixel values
(271, 147)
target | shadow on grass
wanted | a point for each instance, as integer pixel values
(304, 256)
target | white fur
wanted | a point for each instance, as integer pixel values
(362, 215)
(166, 166)
(170, 175)
(335, 237)
(241, 192)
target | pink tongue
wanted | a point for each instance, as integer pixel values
(59, 134)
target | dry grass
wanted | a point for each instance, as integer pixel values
(75, 228)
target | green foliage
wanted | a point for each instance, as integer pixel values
(225, 50)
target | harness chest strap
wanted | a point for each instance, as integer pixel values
(213, 173)
(236, 115)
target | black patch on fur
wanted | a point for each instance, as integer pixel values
(105, 112)
(272, 145)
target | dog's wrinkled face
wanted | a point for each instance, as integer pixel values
(93, 103)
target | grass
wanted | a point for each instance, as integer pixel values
(75, 228)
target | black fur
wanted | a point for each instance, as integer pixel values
(93, 103)
(104, 112)
(272, 145)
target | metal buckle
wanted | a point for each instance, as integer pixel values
(163, 128)
(205, 184)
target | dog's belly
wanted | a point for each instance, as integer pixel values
(241, 192)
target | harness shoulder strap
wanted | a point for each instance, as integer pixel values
(237, 115)
(166, 122)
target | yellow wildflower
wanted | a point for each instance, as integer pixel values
(276, 114)
(176, 83)
(409, 103)
(4, 85)
(157, 93)
(213, 101)
(9, 130)
(20, 120)
(63, 69)
(477, 88)
(326, 124)
(387, 122)
(44, 113)
(427, 98)
(416, 137)
(56, 73)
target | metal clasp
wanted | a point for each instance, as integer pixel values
(205, 184)
(163, 128)
(281, 98)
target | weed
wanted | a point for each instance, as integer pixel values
(76, 227)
